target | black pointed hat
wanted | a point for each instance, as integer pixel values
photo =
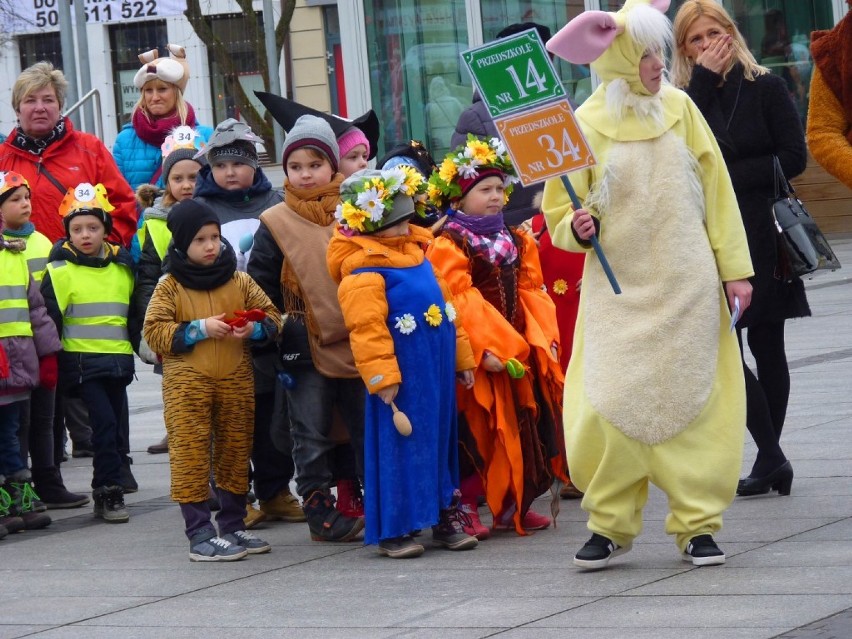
(286, 112)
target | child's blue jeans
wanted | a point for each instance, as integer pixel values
(10, 450)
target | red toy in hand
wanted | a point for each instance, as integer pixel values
(244, 317)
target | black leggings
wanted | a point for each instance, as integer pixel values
(767, 393)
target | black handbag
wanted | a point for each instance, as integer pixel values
(802, 248)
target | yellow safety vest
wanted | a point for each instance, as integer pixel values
(160, 236)
(94, 303)
(14, 306)
(38, 248)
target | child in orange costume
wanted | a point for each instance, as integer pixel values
(510, 426)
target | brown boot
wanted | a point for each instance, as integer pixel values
(159, 448)
(253, 517)
(283, 506)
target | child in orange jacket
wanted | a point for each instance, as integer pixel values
(511, 426)
(407, 348)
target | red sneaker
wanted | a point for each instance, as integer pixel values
(531, 521)
(350, 501)
(476, 528)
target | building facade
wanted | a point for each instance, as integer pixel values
(399, 57)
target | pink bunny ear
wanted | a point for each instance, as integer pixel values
(585, 38)
(660, 5)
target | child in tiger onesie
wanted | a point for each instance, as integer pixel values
(196, 320)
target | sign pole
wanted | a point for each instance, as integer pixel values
(594, 239)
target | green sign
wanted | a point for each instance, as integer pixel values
(513, 73)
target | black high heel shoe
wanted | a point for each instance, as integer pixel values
(780, 479)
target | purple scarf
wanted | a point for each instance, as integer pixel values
(478, 224)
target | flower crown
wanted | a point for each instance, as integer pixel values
(466, 162)
(182, 137)
(85, 197)
(367, 203)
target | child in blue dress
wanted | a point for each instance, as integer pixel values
(408, 348)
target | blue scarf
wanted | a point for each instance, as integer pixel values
(25, 231)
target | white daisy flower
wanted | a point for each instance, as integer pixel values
(338, 213)
(468, 171)
(370, 202)
(499, 147)
(394, 178)
(406, 324)
(450, 311)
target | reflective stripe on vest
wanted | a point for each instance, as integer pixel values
(14, 306)
(94, 304)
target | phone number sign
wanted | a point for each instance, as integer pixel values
(545, 142)
(513, 73)
(43, 15)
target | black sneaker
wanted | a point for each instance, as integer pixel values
(126, 478)
(400, 547)
(597, 552)
(109, 504)
(326, 523)
(83, 449)
(703, 551)
(449, 532)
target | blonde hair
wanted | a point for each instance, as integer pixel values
(37, 77)
(688, 13)
(180, 103)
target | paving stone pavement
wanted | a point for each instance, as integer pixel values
(789, 569)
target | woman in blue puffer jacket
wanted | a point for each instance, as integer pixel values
(161, 108)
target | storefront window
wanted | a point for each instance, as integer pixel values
(127, 41)
(778, 34)
(44, 46)
(554, 14)
(417, 84)
(243, 55)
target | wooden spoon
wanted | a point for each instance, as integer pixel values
(401, 421)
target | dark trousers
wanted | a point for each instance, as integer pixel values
(196, 516)
(36, 431)
(272, 448)
(767, 394)
(10, 452)
(106, 400)
(310, 404)
(69, 412)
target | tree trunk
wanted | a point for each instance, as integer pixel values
(202, 25)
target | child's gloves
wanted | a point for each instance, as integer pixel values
(244, 317)
(48, 371)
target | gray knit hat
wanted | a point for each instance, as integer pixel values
(314, 133)
(232, 140)
(181, 153)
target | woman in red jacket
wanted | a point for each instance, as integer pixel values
(52, 156)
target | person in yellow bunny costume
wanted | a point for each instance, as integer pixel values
(654, 390)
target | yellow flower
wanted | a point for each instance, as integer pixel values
(448, 170)
(560, 287)
(353, 216)
(433, 192)
(433, 316)
(482, 151)
(381, 187)
(413, 180)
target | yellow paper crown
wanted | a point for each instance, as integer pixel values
(85, 196)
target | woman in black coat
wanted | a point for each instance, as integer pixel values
(753, 118)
